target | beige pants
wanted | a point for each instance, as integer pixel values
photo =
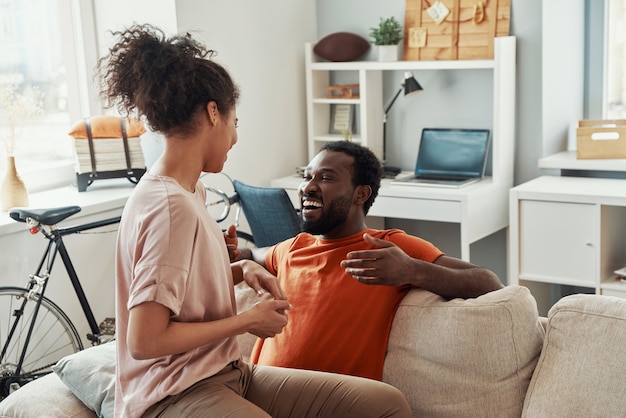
(240, 390)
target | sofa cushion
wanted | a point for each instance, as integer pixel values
(462, 358)
(90, 375)
(581, 369)
(44, 397)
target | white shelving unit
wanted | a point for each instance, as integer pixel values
(480, 209)
(567, 231)
(369, 104)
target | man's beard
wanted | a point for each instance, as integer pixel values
(336, 215)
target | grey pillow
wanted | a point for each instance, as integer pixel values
(90, 375)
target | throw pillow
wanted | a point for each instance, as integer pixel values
(107, 127)
(90, 375)
(464, 357)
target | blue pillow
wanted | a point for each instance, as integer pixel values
(90, 375)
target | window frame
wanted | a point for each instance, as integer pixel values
(607, 31)
(80, 54)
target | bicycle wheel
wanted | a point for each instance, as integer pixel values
(54, 337)
(220, 195)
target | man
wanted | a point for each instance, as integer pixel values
(344, 280)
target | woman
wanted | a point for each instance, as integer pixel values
(177, 353)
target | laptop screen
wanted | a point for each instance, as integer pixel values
(452, 152)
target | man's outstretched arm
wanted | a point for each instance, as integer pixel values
(448, 277)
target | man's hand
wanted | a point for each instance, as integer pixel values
(387, 264)
(230, 237)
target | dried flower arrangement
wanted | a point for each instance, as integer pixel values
(14, 108)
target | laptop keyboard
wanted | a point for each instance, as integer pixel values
(440, 178)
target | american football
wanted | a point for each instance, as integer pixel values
(341, 46)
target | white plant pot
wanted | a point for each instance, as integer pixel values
(388, 52)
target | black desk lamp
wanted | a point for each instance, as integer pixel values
(410, 86)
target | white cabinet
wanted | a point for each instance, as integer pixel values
(568, 231)
(369, 104)
(557, 242)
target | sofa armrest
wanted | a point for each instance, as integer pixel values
(581, 368)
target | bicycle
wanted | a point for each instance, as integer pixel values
(34, 331)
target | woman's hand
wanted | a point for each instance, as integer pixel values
(269, 317)
(259, 279)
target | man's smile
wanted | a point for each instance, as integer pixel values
(309, 205)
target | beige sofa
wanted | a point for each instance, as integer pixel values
(483, 357)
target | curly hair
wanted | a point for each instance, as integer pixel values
(167, 80)
(367, 167)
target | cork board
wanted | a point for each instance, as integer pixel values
(454, 29)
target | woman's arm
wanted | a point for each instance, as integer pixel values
(151, 332)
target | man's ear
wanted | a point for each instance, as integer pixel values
(362, 193)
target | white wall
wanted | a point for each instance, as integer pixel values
(261, 44)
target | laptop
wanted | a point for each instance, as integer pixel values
(449, 158)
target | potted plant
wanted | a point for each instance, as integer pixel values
(387, 35)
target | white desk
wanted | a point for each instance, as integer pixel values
(481, 208)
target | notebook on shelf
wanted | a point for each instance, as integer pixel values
(449, 158)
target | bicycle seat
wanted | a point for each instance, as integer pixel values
(50, 216)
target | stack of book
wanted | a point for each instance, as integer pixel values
(109, 154)
(107, 136)
(107, 147)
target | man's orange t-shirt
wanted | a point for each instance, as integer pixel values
(337, 324)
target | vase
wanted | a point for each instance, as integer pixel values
(13, 192)
(388, 52)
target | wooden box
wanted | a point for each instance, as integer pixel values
(464, 29)
(597, 139)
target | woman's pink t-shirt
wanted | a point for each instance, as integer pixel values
(170, 251)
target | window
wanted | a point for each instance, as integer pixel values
(615, 83)
(38, 53)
